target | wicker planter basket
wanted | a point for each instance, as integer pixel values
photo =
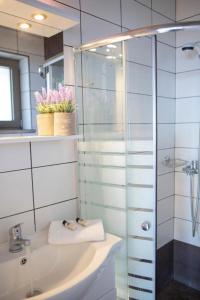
(64, 123)
(45, 124)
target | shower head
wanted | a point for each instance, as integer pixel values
(189, 48)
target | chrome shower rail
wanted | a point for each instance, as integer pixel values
(141, 32)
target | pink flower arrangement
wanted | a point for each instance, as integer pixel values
(61, 100)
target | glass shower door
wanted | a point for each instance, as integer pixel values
(141, 165)
(102, 155)
(116, 95)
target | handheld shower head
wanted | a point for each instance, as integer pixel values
(190, 49)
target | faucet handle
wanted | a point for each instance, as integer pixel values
(16, 231)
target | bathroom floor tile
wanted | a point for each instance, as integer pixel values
(178, 291)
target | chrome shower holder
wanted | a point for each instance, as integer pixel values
(192, 168)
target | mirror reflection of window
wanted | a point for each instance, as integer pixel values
(55, 73)
(10, 103)
(6, 111)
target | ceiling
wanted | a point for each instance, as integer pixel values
(13, 12)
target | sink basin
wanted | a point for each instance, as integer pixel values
(57, 272)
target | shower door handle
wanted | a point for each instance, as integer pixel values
(146, 226)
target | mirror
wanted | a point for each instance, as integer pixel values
(31, 57)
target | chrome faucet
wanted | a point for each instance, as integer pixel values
(17, 243)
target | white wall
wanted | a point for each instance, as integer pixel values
(32, 47)
(187, 117)
(37, 184)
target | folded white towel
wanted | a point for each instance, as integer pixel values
(60, 235)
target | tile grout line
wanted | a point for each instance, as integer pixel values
(32, 185)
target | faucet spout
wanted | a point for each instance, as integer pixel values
(17, 242)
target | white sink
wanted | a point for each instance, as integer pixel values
(59, 272)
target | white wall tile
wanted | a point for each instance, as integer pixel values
(69, 76)
(183, 232)
(185, 8)
(166, 84)
(162, 167)
(35, 62)
(27, 228)
(139, 50)
(139, 108)
(168, 38)
(62, 211)
(72, 36)
(165, 186)
(16, 192)
(189, 36)
(166, 57)
(9, 40)
(94, 28)
(166, 137)
(187, 84)
(53, 152)
(139, 79)
(165, 233)
(165, 209)
(73, 3)
(37, 82)
(54, 184)
(185, 154)
(30, 43)
(108, 10)
(166, 8)
(135, 15)
(187, 110)
(14, 156)
(182, 207)
(187, 135)
(166, 110)
(145, 2)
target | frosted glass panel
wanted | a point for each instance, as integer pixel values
(102, 150)
(116, 155)
(6, 94)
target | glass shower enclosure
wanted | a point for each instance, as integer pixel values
(119, 93)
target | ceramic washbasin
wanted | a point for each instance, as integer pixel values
(59, 272)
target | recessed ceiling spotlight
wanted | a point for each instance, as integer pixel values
(24, 25)
(112, 46)
(39, 17)
(93, 50)
(107, 50)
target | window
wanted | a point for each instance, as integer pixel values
(10, 108)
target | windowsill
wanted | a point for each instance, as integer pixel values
(22, 138)
(10, 132)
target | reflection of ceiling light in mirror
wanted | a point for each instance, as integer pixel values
(39, 17)
(111, 46)
(24, 25)
(93, 50)
(107, 50)
(120, 55)
(110, 57)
